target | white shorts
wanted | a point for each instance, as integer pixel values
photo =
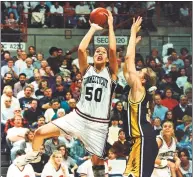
(165, 172)
(92, 133)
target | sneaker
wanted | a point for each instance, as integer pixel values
(31, 157)
(45, 26)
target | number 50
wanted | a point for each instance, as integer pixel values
(97, 94)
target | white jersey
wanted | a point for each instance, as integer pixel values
(14, 171)
(165, 152)
(187, 173)
(96, 93)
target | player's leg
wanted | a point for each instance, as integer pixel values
(43, 132)
(98, 166)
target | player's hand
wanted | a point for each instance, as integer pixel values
(95, 26)
(110, 18)
(136, 26)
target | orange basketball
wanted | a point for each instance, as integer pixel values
(98, 16)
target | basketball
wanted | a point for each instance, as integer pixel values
(98, 16)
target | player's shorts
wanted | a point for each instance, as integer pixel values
(142, 157)
(92, 132)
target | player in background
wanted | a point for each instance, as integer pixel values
(167, 161)
(144, 150)
(89, 121)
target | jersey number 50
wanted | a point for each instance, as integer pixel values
(97, 94)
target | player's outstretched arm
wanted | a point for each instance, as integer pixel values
(129, 67)
(112, 47)
(82, 56)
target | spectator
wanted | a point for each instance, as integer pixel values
(12, 8)
(74, 71)
(65, 104)
(15, 170)
(169, 117)
(37, 80)
(156, 57)
(174, 72)
(21, 64)
(72, 104)
(69, 15)
(31, 114)
(8, 92)
(113, 131)
(29, 136)
(78, 152)
(166, 161)
(114, 10)
(185, 168)
(57, 19)
(159, 110)
(185, 16)
(38, 167)
(188, 67)
(42, 69)
(184, 53)
(22, 93)
(54, 167)
(167, 66)
(20, 85)
(119, 113)
(51, 113)
(5, 58)
(186, 126)
(41, 14)
(53, 60)
(32, 53)
(41, 86)
(157, 125)
(182, 79)
(37, 63)
(52, 144)
(181, 109)
(122, 146)
(9, 68)
(7, 80)
(7, 111)
(16, 135)
(67, 160)
(168, 101)
(175, 60)
(24, 101)
(29, 70)
(188, 93)
(82, 10)
(18, 57)
(40, 121)
(60, 113)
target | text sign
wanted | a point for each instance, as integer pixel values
(13, 45)
(104, 40)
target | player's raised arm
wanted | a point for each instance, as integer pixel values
(112, 47)
(82, 56)
(129, 67)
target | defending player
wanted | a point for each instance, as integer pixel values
(144, 150)
(89, 121)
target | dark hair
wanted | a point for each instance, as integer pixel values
(121, 130)
(167, 90)
(170, 51)
(6, 51)
(185, 49)
(20, 152)
(31, 47)
(66, 150)
(52, 50)
(41, 116)
(165, 118)
(32, 101)
(40, 84)
(27, 86)
(53, 101)
(185, 152)
(22, 74)
(11, 13)
(181, 70)
(11, 59)
(8, 73)
(115, 107)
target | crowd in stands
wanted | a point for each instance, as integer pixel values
(36, 90)
(75, 14)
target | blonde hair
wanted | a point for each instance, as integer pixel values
(7, 88)
(52, 161)
(150, 77)
(167, 121)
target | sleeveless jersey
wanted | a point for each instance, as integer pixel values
(138, 126)
(165, 152)
(96, 93)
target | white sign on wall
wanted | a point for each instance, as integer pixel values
(13, 45)
(103, 40)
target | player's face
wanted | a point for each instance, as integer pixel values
(168, 129)
(100, 55)
(58, 159)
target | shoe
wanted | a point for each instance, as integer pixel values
(45, 26)
(31, 157)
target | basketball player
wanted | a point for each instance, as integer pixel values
(167, 161)
(89, 121)
(144, 150)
